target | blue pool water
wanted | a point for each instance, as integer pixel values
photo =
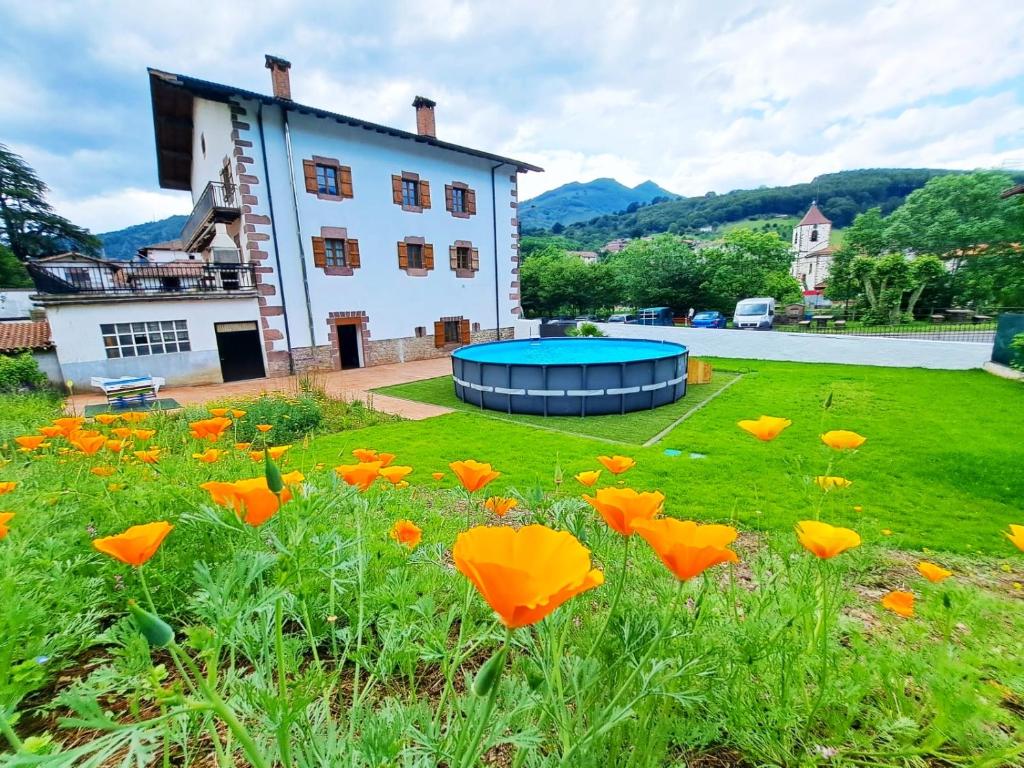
(568, 351)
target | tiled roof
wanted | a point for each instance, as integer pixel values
(813, 216)
(16, 337)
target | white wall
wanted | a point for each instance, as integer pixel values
(212, 121)
(395, 302)
(806, 348)
(75, 329)
(15, 303)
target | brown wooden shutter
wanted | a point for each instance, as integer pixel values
(449, 203)
(439, 333)
(403, 256)
(396, 189)
(464, 334)
(345, 174)
(476, 259)
(428, 256)
(309, 172)
(352, 252)
(453, 257)
(319, 252)
(424, 194)
(470, 201)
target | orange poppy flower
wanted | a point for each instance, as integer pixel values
(360, 475)
(136, 545)
(365, 455)
(589, 477)
(842, 439)
(395, 474)
(933, 572)
(103, 471)
(68, 424)
(292, 478)
(219, 413)
(151, 456)
(122, 432)
(7, 486)
(106, 419)
(617, 464)
(264, 427)
(899, 602)
(134, 417)
(116, 446)
(824, 540)
(437, 475)
(243, 446)
(621, 507)
(252, 500)
(1016, 535)
(208, 456)
(276, 452)
(143, 434)
(237, 413)
(209, 429)
(51, 431)
(828, 482)
(90, 446)
(5, 518)
(30, 442)
(500, 505)
(686, 548)
(524, 574)
(765, 428)
(473, 475)
(407, 533)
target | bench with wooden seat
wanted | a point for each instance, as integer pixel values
(804, 324)
(839, 325)
(938, 319)
(981, 319)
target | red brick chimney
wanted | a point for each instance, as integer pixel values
(425, 116)
(279, 76)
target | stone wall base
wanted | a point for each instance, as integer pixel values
(380, 352)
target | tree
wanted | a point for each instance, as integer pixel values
(660, 272)
(748, 263)
(887, 279)
(12, 272)
(29, 227)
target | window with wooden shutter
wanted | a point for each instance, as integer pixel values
(463, 257)
(465, 336)
(309, 173)
(471, 202)
(345, 174)
(396, 189)
(439, 333)
(476, 259)
(428, 256)
(424, 194)
(403, 256)
(449, 194)
(353, 253)
(459, 200)
(453, 257)
(319, 252)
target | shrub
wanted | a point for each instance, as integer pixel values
(1017, 345)
(19, 372)
(585, 329)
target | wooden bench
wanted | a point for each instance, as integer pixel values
(981, 319)
(129, 391)
(804, 324)
(937, 319)
(839, 324)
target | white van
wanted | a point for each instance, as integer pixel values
(754, 313)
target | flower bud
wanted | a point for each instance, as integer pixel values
(490, 673)
(274, 481)
(157, 631)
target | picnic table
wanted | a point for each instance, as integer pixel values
(822, 320)
(960, 315)
(129, 391)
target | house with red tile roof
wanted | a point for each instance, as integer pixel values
(17, 337)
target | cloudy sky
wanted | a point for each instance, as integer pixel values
(697, 96)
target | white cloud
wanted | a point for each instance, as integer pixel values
(121, 208)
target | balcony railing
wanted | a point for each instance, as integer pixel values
(181, 278)
(219, 202)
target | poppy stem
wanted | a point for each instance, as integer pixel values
(8, 732)
(469, 758)
(615, 598)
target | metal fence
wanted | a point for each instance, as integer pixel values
(981, 332)
(216, 196)
(117, 279)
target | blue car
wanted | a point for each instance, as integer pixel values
(708, 320)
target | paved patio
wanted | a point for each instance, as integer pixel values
(351, 385)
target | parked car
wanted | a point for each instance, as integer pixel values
(656, 316)
(758, 313)
(708, 319)
(586, 318)
(622, 317)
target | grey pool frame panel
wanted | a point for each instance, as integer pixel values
(571, 389)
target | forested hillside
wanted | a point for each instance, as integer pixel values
(840, 195)
(581, 201)
(123, 243)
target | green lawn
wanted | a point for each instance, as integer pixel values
(632, 428)
(941, 469)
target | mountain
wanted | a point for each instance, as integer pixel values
(582, 201)
(122, 244)
(841, 196)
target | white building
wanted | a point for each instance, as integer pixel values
(317, 240)
(812, 251)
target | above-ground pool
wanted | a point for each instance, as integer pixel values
(570, 377)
